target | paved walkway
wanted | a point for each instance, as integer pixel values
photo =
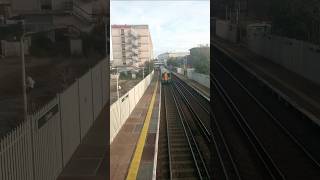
(123, 148)
(90, 161)
(300, 92)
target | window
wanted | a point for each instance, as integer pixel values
(46, 7)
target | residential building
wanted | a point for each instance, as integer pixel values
(44, 14)
(131, 45)
(71, 17)
(162, 58)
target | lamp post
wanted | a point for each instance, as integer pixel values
(143, 72)
(149, 66)
(118, 83)
(24, 85)
(22, 54)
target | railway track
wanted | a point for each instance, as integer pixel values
(203, 102)
(270, 147)
(184, 158)
(198, 105)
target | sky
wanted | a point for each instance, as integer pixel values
(174, 25)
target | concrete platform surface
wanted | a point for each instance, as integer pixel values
(297, 90)
(124, 145)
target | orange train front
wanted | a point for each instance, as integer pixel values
(165, 76)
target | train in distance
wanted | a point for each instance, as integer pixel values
(165, 75)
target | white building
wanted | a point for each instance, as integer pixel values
(162, 58)
(131, 45)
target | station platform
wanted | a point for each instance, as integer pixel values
(90, 162)
(203, 90)
(133, 152)
(299, 92)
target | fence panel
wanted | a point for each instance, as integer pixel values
(136, 95)
(85, 103)
(132, 102)
(115, 122)
(56, 130)
(96, 90)
(295, 55)
(105, 87)
(47, 141)
(141, 89)
(201, 78)
(15, 154)
(122, 108)
(70, 121)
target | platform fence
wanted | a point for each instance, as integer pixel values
(298, 56)
(40, 147)
(122, 108)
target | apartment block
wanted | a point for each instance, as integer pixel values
(131, 45)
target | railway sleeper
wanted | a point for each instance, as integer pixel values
(184, 172)
(181, 157)
(186, 178)
(182, 164)
(180, 149)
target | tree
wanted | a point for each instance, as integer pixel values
(174, 61)
(199, 59)
(148, 65)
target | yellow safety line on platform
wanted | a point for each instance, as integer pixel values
(135, 163)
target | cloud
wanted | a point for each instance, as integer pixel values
(174, 25)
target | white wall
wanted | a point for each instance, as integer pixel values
(200, 78)
(97, 91)
(69, 107)
(47, 143)
(52, 134)
(121, 109)
(104, 82)
(226, 30)
(300, 57)
(85, 102)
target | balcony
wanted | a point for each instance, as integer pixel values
(133, 34)
(135, 51)
(135, 58)
(134, 43)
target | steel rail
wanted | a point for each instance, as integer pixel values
(273, 118)
(200, 123)
(195, 152)
(168, 138)
(186, 86)
(262, 153)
